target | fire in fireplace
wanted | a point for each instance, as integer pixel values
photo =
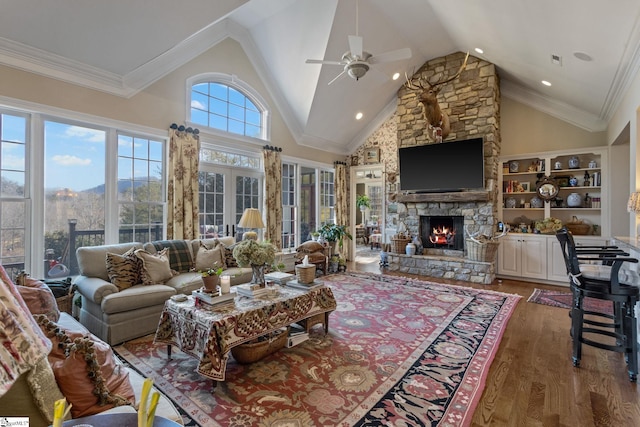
(444, 232)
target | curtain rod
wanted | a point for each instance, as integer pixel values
(181, 128)
(273, 148)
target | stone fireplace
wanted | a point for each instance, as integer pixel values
(473, 104)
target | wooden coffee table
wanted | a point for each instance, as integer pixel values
(209, 333)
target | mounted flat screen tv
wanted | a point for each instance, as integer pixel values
(443, 167)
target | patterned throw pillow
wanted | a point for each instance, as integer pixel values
(180, 258)
(155, 267)
(124, 270)
(229, 260)
(210, 257)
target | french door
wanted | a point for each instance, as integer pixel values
(225, 193)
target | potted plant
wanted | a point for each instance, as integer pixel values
(315, 235)
(363, 201)
(334, 233)
(210, 277)
(334, 262)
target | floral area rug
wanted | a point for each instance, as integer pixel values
(399, 352)
(562, 299)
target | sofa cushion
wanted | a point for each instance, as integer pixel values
(124, 270)
(38, 297)
(135, 297)
(155, 267)
(185, 283)
(209, 257)
(180, 256)
(92, 259)
(229, 260)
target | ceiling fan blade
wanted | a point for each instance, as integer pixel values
(338, 77)
(355, 46)
(393, 55)
(321, 61)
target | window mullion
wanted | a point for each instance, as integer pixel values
(111, 213)
(35, 172)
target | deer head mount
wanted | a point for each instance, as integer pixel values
(438, 126)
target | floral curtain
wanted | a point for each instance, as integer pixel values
(273, 194)
(182, 197)
(342, 202)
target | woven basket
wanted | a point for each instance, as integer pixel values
(482, 251)
(305, 273)
(399, 246)
(65, 303)
(262, 347)
(578, 229)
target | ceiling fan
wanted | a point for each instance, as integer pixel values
(356, 61)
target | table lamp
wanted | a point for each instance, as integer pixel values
(251, 218)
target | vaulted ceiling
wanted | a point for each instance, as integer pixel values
(122, 46)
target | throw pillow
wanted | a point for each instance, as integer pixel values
(180, 258)
(229, 260)
(155, 267)
(124, 270)
(209, 257)
(86, 370)
(38, 297)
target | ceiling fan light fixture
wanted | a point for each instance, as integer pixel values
(357, 70)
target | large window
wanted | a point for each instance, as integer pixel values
(13, 191)
(308, 201)
(140, 188)
(68, 183)
(224, 103)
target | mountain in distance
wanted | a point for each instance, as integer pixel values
(123, 185)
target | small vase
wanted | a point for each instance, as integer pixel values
(574, 200)
(574, 163)
(410, 249)
(258, 274)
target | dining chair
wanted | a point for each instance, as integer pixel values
(596, 272)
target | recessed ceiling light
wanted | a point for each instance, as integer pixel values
(359, 116)
(583, 56)
(480, 51)
(395, 76)
(546, 83)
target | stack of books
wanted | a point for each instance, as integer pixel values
(297, 335)
(212, 298)
(251, 290)
(297, 285)
(279, 277)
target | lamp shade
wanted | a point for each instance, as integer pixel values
(251, 218)
(634, 202)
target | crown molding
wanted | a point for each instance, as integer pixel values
(37, 61)
(587, 121)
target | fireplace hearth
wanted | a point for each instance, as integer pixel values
(442, 232)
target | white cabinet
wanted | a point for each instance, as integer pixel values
(523, 255)
(556, 269)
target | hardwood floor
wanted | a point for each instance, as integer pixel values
(532, 381)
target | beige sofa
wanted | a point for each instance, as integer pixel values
(116, 315)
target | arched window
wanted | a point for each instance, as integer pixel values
(223, 102)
